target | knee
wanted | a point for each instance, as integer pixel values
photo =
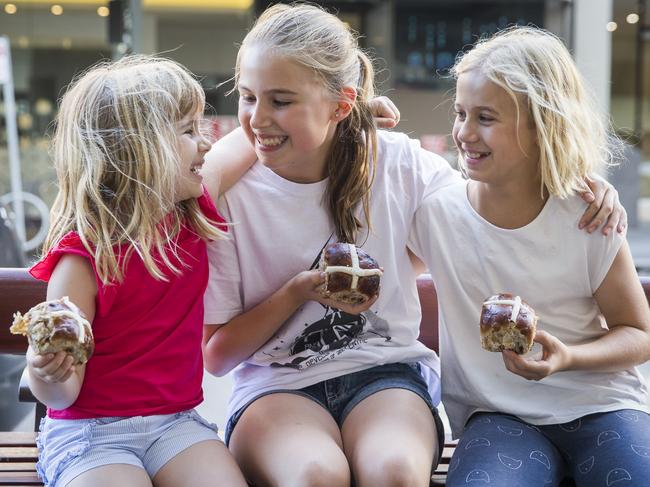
(395, 471)
(316, 473)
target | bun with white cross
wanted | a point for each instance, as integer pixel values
(507, 323)
(351, 275)
(54, 326)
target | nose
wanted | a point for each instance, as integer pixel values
(259, 116)
(466, 131)
(204, 143)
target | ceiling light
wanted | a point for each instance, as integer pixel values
(10, 8)
(611, 26)
(56, 9)
(632, 18)
(103, 11)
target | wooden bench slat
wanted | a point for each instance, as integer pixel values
(20, 479)
(17, 438)
(17, 466)
(18, 453)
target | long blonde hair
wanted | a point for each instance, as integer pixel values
(572, 134)
(319, 41)
(117, 164)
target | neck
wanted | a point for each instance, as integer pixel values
(303, 173)
(506, 206)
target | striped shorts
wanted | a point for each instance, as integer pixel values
(70, 447)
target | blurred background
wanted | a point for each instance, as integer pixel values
(44, 44)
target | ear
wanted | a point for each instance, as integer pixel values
(345, 104)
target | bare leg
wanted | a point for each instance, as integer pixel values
(208, 463)
(390, 440)
(288, 440)
(112, 475)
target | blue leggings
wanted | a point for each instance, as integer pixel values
(604, 449)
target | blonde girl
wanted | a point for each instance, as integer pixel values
(324, 393)
(128, 246)
(527, 134)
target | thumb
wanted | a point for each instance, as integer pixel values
(543, 338)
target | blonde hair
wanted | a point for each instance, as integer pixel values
(322, 43)
(117, 164)
(572, 134)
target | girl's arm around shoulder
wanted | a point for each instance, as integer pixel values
(627, 343)
(227, 345)
(52, 377)
(226, 162)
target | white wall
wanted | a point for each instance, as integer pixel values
(593, 46)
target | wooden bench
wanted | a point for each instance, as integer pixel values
(19, 292)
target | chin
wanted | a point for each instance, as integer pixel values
(190, 194)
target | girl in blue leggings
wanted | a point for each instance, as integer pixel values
(576, 405)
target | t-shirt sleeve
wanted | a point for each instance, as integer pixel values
(71, 244)
(433, 170)
(223, 296)
(601, 252)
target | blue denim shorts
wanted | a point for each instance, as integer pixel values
(70, 447)
(340, 395)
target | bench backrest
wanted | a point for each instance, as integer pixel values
(19, 291)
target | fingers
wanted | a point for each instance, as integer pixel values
(353, 309)
(605, 208)
(526, 368)
(53, 367)
(588, 195)
(622, 222)
(617, 219)
(596, 214)
(385, 112)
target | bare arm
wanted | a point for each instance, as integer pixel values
(227, 161)
(226, 346)
(52, 377)
(626, 344)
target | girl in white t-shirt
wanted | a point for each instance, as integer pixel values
(323, 392)
(527, 135)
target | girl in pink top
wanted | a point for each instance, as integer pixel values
(128, 246)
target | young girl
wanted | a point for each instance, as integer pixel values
(527, 136)
(128, 245)
(323, 392)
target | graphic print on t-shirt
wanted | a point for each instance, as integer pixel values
(333, 334)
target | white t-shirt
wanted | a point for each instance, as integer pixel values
(553, 266)
(279, 229)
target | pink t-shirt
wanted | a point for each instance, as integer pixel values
(148, 332)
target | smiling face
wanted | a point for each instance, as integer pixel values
(496, 147)
(191, 146)
(287, 115)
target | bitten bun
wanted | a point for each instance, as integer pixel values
(351, 275)
(53, 326)
(507, 323)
